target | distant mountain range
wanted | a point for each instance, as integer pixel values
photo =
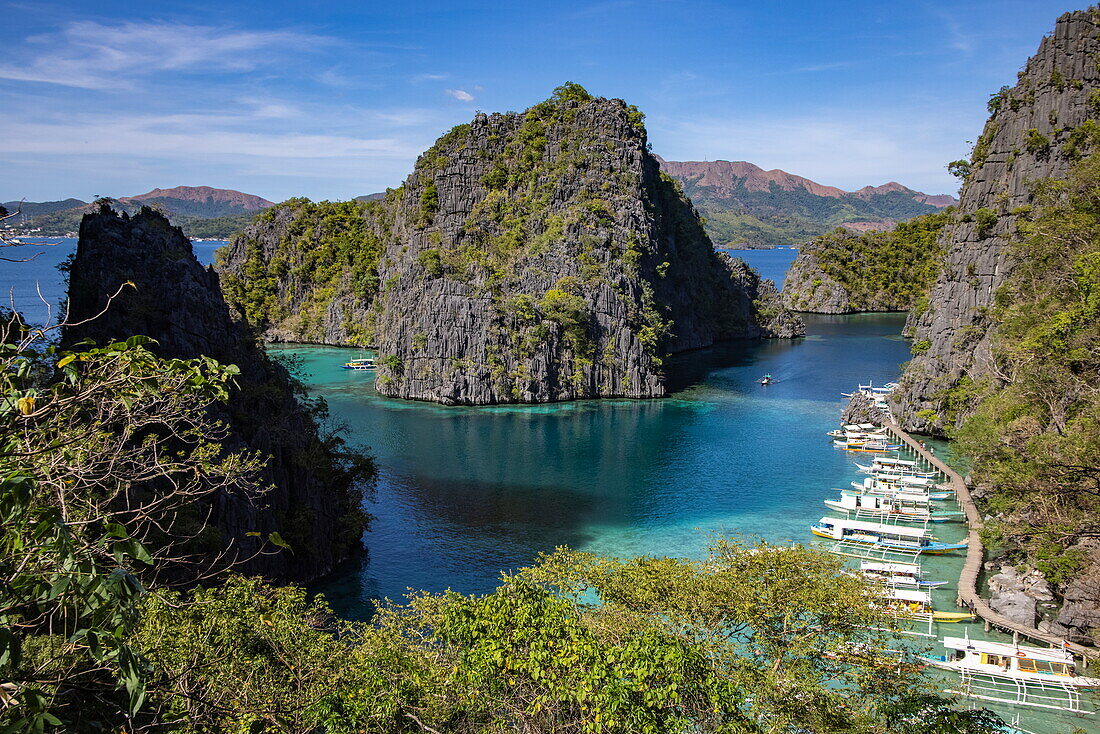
(202, 211)
(746, 206)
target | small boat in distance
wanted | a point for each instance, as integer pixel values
(360, 364)
(766, 379)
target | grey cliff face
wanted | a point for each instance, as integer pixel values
(177, 302)
(616, 240)
(531, 257)
(1049, 103)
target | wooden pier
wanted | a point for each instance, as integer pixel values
(968, 595)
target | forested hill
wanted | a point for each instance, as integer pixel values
(746, 206)
(846, 272)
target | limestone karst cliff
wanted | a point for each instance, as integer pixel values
(1036, 129)
(314, 502)
(529, 257)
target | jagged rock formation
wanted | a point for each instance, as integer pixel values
(308, 272)
(1037, 129)
(744, 205)
(860, 409)
(529, 257)
(844, 272)
(313, 503)
(1017, 595)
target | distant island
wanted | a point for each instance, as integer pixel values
(201, 211)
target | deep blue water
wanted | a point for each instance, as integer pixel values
(771, 264)
(23, 282)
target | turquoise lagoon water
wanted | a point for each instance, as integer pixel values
(467, 493)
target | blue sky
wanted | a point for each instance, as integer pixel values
(283, 99)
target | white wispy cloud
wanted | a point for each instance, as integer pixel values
(92, 55)
(186, 135)
(460, 94)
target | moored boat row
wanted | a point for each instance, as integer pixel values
(887, 515)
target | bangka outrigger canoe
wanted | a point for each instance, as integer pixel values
(897, 574)
(359, 364)
(882, 537)
(894, 485)
(1017, 674)
(918, 604)
(900, 507)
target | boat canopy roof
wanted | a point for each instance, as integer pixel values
(922, 597)
(1050, 654)
(900, 479)
(874, 527)
(889, 567)
(914, 497)
(886, 461)
(866, 426)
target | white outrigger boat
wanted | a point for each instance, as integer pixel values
(897, 574)
(900, 507)
(881, 537)
(1014, 673)
(894, 467)
(902, 485)
(360, 364)
(869, 430)
(875, 445)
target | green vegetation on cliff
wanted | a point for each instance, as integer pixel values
(872, 271)
(1035, 434)
(319, 251)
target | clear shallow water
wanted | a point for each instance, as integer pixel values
(22, 282)
(466, 493)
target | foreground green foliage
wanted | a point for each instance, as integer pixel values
(1035, 435)
(106, 453)
(106, 457)
(882, 271)
(754, 639)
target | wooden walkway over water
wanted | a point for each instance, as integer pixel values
(968, 595)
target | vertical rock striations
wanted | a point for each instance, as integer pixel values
(529, 257)
(1037, 129)
(313, 501)
(543, 256)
